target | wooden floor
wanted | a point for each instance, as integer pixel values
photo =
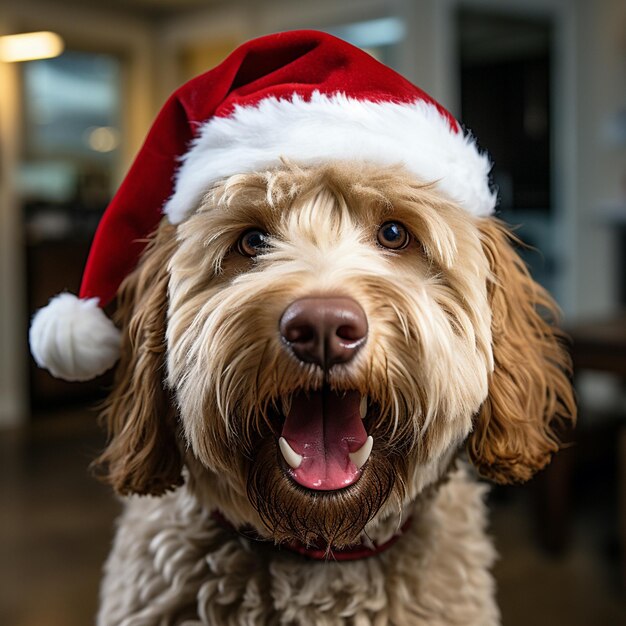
(56, 524)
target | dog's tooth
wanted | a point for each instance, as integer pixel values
(363, 407)
(363, 453)
(294, 460)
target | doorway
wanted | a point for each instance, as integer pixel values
(506, 67)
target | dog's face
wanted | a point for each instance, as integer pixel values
(320, 342)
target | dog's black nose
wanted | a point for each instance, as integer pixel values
(324, 330)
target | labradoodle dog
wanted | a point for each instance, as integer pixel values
(306, 363)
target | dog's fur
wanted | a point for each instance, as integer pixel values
(461, 351)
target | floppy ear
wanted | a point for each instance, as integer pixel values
(530, 395)
(142, 456)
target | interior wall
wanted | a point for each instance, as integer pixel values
(601, 166)
(13, 384)
(197, 30)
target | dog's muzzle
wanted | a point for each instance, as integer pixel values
(324, 331)
(323, 440)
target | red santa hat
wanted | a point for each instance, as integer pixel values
(302, 95)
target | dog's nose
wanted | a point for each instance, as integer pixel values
(325, 331)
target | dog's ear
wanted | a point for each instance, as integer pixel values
(530, 395)
(142, 455)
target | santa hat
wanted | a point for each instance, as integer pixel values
(302, 95)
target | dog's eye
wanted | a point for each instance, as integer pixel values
(393, 235)
(252, 242)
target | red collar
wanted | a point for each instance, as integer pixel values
(315, 553)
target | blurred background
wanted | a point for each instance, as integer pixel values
(542, 83)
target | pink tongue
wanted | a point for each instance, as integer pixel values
(324, 427)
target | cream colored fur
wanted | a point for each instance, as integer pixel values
(172, 564)
(456, 353)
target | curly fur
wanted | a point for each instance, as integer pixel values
(458, 353)
(529, 393)
(180, 567)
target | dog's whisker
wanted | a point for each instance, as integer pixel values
(285, 404)
(259, 366)
(403, 323)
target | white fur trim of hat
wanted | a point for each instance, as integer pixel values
(73, 339)
(334, 127)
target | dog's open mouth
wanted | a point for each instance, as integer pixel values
(323, 440)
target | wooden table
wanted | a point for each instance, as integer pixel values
(600, 345)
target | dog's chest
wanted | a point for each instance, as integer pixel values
(172, 564)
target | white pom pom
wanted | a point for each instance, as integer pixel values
(73, 339)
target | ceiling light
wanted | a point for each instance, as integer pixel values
(103, 138)
(30, 46)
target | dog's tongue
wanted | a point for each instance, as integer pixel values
(324, 428)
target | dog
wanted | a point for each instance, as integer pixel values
(327, 337)
(315, 366)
